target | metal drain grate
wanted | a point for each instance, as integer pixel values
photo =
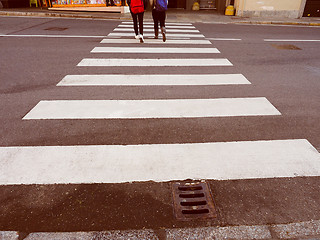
(192, 200)
(55, 29)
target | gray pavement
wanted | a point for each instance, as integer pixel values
(173, 15)
(302, 230)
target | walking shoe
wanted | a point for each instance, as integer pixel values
(156, 37)
(136, 37)
(141, 38)
(163, 31)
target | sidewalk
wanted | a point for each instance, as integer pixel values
(173, 15)
(303, 230)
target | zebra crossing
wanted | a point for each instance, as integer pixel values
(176, 35)
(155, 41)
(159, 62)
(151, 30)
(117, 164)
(180, 108)
(157, 162)
(152, 80)
(153, 50)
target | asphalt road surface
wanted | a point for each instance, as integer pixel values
(95, 127)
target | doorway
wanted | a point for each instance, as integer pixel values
(312, 8)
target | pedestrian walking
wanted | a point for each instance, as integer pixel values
(159, 8)
(137, 8)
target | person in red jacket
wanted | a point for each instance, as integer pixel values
(137, 8)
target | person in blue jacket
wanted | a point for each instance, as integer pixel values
(159, 8)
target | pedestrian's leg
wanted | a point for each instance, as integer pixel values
(140, 16)
(135, 24)
(155, 23)
(162, 17)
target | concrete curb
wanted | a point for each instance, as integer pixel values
(121, 17)
(282, 23)
(301, 230)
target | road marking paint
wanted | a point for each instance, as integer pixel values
(167, 23)
(152, 30)
(152, 35)
(158, 162)
(135, 109)
(152, 50)
(52, 36)
(105, 62)
(225, 39)
(150, 80)
(151, 26)
(156, 41)
(291, 40)
(178, 38)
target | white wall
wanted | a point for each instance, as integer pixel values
(276, 8)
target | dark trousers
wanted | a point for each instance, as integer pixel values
(158, 16)
(135, 18)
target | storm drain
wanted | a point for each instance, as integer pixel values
(285, 46)
(56, 29)
(192, 200)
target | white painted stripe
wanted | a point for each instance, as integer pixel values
(292, 40)
(156, 41)
(152, 50)
(96, 62)
(52, 36)
(146, 80)
(178, 38)
(134, 109)
(152, 30)
(151, 26)
(152, 35)
(159, 162)
(225, 39)
(167, 23)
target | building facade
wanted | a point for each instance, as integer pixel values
(243, 8)
(84, 3)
